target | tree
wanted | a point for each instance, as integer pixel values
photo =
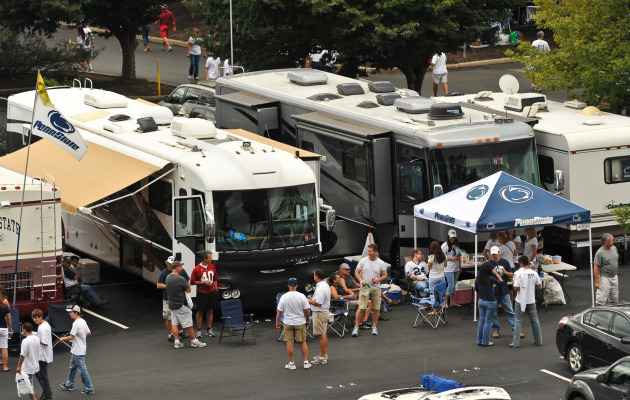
(622, 214)
(593, 55)
(120, 18)
(382, 33)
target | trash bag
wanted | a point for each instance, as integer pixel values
(553, 292)
(23, 384)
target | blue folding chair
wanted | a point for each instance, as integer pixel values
(234, 320)
(15, 343)
(60, 323)
(432, 309)
(338, 319)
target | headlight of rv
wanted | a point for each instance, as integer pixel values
(226, 294)
(236, 294)
(308, 287)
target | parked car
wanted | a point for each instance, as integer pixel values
(596, 337)
(201, 91)
(603, 383)
(468, 393)
(198, 109)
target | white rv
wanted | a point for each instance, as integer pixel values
(152, 185)
(588, 148)
(386, 149)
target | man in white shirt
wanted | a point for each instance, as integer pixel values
(416, 270)
(440, 74)
(320, 305)
(29, 355)
(294, 306)
(78, 335)
(526, 282)
(370, 272)
(212, 67)
(540, 43)
(45, 352)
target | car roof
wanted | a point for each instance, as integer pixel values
(199, 85)
(624, 308)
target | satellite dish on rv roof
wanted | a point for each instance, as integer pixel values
(508, 84)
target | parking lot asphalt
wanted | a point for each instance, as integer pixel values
(138, 362)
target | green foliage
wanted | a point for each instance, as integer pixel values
(593, 58)
(623, 216)
(50, 82)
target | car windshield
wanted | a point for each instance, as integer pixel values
(266, 218)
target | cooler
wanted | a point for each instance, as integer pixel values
(89, 271)
(463, 293)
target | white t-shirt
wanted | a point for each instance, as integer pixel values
(30, 351)
(506, 251)
(526, 280)
(527, 249)
(437, 269)
(322, 296)
(225, 70)
(439, 64)
(451, 266)
(492, 242)
(213, 67)
(44, 336)
(196, 43)
(420, 269)
(541, 45)
(372, 269)
(292, 305)
(80, 331)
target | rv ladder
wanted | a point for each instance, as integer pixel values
(48, 281)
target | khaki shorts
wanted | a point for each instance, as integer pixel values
(320, 322)
(182, 317)
(166, 312)
(374, 295)
(437, 78)
(608, 290)
(295, 332)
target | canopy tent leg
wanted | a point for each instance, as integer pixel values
(590, 254)
(474, 291)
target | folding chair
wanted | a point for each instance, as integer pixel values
(411, 290)
(15, 343)
(339, 310)
(60, 323)
(234, 320)
(432, 309)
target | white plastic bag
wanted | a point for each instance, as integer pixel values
(553, 292)
(23, 384)
(189, 300)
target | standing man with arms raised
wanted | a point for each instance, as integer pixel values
(370, 272)
(205, 277)
(320, 304)
(45, 352)
(294, 306)
(177, 286)
(78, 335)
(605, 271)
(526, 282)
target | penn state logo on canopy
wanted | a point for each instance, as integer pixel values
(477, 192)
(516, 193)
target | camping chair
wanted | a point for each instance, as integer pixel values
(234, 320)
(15, 343)
(432, 310)
(339, 310)
(60, 323)
(411, 290)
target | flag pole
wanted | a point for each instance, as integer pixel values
(28, 151)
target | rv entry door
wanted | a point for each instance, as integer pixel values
(188, 230)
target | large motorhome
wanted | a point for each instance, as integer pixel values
(38, 281)
(588, 148)
(386, 149)
(145, 191)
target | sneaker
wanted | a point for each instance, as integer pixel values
(197, 343)
(355, 331)
(103, 301)
(170, 49)
(196, 78)
(326, 357)
(190, 77)
(374, 331)
(199, 334)
(320, 360)
(178, 345)
(209, 332)
(489, 344)
(513, 346)
(63, 385)
(171, 338)
(90, 69)
(496, 334)
(395, 302)
(86, 392)
(522, 335)
(307, 365)
(183, 334)
(290, 366)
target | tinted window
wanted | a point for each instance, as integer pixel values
(354, 161)
(617, 170)
(207, 97)
(545, 165)
(620, 374)
(193, 94)
(411, 182)
(620, 327)
(177, 96)
(160, 197)
(600, 320)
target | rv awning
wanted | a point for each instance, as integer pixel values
(245, 99)
(341, 124)
(99, 174)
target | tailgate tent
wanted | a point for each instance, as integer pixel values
(499, 202)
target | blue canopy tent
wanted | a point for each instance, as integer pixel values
(499, 202)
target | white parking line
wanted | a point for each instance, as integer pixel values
(556, 375)
(105, 319)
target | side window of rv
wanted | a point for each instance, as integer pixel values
(545, 165)
(308, 146)
(411, 182)
(161, 197)
(354, 161)
(617, 170)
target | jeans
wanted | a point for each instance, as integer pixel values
(79, 362)
(506, 302)
(530, 309)
(421, 286)
(486, 312)
(144, 30)
(451, 279)
(42, 378)
(434, 281)
(194, 65)
(88, 293)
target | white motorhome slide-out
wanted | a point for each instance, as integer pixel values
(591, 149)
(39, 276)
(386, 150)
(145, 192)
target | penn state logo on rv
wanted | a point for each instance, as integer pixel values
(477, 192)
(516, 193)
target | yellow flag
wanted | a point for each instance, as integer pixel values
(41, 89)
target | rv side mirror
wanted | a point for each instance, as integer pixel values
(558, 180)
(210, 228)
(437, 190)
(330, 219)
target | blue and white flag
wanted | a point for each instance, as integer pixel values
(49, 124)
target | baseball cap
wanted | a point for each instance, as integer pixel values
(452, 233)
(170, 259)
(494, 250)
(293, 282)
(66, 259)
(74, 308)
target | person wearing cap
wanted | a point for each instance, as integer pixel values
(177, 286)
(166, 312)
(320, 305)
(165, 20)
(294, 306)
(29, 355)
(502, 292)
(453, 266)
(71, 281)
(370, 272)
(526, 282)
(78, 335)
(204, 275)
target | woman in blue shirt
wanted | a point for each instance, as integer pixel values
(484, 286)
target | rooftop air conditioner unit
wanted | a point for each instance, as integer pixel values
(517, 102)
(104, 99)
(193, 128)
(414, 105)
(160, 114)
(307, 77)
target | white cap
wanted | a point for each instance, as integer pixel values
(494, 250)
(170, 259)
(452, 233)
(76, 309)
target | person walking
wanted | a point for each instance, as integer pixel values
(486, 279)
(45, 352)
(181, 314)
(78, 335)
(440, 74)
(540, 43)
(195, 49)
(29, 355)
(370, 272)
(526, 282)
(144, 31)
(320, 305)
(294, 306)
(606, 264)
(205, 277)
(212, 67)
(166, 311)
(166, 20)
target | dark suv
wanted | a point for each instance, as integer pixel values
(201, 92)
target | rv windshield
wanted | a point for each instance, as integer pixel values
(459, 166)
(266, 218)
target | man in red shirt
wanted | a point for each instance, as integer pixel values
(205, 277)
(165, 20)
